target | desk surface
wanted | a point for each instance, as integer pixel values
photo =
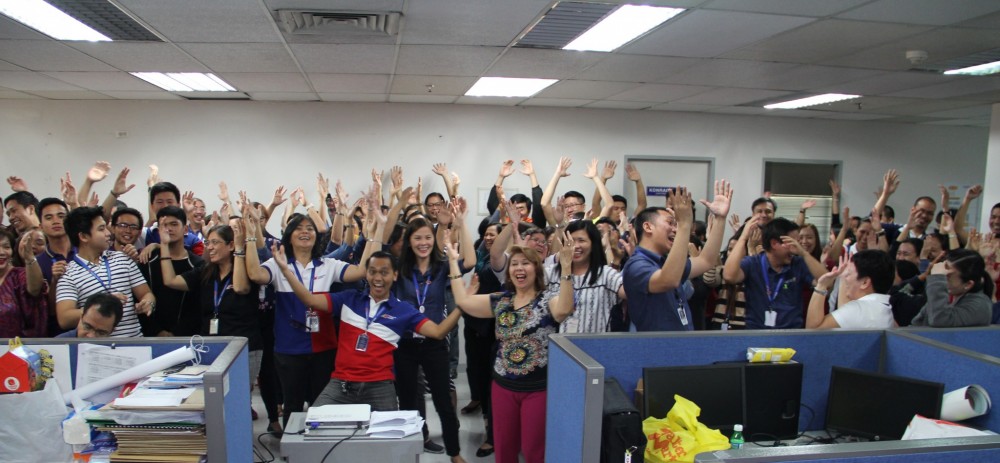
(295, 448)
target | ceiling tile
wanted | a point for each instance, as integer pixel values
(953, 89)
(850, 116)
(360, 97)
(888, 82)
(489, 100)
(442, 85)
(460, 22)
(70, 95)
(161, 95)
(100, 81)
(585, 89)
(439, 99)
(284, 96)
(33, 81)
(609, 104)
(12, 95)
(911, 120)
(823, 40)
(141, 56)
(345, 59)
(674, 106)
(731, 96)
(932, 12)
(440, 60)
(925, 107)
(556, 102)
(543, 64)
(267, 82)
(696, 34)
(816, 8)
(962, 122)
(658, 93)
(991, 21)
(941, 45)
(5, 66)
(242, 57)
(349, 83)
(808, 77)
(636, 68)
(992, 96)
(868, 104)
(192, 21)
(727, 72)
(758, 111)
(48, 55)
(971, 112)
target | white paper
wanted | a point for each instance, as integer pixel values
(394, 418)
(967, 402)
(181, 355)
(395, 432)
(926, 428)
(60, 360)
(95, 362)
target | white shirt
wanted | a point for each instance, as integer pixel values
(871, 312)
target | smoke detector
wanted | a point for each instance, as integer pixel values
(916, 56)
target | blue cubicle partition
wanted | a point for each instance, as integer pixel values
(577, 400)
(984, 339)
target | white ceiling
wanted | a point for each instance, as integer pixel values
(720, 56)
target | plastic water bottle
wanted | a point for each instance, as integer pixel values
(737, 440)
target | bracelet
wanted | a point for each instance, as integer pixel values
(251, 240)
(375, 241)
(454, 277)
(566, 277)
(822, 292)
(30, 262)
(802, 211)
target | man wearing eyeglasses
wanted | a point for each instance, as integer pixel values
(126, 223)
(101, 314)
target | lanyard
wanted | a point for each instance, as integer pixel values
(416, 289)
(378, 313)
(107, 269)
(312, 277)
(217, 297)
(771, 295)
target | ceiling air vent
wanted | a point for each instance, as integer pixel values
(302, 22)
(563, 23)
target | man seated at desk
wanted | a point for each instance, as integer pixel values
(371, 325)
(101, 314)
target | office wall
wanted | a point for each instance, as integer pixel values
(991, 196)
(257, 145)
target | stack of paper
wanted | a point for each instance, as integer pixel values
(395, 425)
(175, 442)
(189, 376)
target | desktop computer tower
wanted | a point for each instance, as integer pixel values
(772, 395)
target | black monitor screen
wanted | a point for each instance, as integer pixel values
(716, 389)
(877, 406)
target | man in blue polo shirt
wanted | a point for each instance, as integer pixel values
(774, 279)
(654, 276)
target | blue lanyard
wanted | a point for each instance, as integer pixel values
(217, 297)
(416, 289)
(312, 277)
(107, 269)
(771, 295)
(378, 313)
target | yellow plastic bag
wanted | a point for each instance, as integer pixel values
(680, 436)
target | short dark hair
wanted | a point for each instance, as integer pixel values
(762, 200)
(606, 220)
(918, 245)
(646, 215)
(23, 198)
(521, 199)
(906, 269)
(46, 202)
(384, 255)
(164, 187)
(775, 229)
(619, 199)
(928, 198)
(172, 211)
(888, 212)
(106, 305)
(81, 220)
(577, 195)
(877, 265)
(433, 194)
(125, 211)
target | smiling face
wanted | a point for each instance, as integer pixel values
(52, 220)
(865, 230)
(127, 229)
(808, 239)
(380, 276)
(99, 236)
(924, 213)
(661, 232)
(217, 249)
(304, 235)
(764, 213)
(581, 247)
(489, 236)
(538, 242)
(422, 242)
(906, 251)
(995, 221)
(197, 216)
(6, 253)
(19, 216)
(94, 325)
(572, 205)
(521, 272)
(162, 200)
(522, 209)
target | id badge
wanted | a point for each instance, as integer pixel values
(724, 326)
(312, 322)
(770, 318)
(422, 309)
(362, 344)
(213, 326)
(683, 315)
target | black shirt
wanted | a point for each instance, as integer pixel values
(176, 311)
(238, 313)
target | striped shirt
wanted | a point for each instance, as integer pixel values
(593, 301)
(77, 284)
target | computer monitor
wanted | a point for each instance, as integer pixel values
(878, 406)
(716, 389)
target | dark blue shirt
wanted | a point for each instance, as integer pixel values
(654, 311)
(45, 260)
(436, 283)
(788, 299)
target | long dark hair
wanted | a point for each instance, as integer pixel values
(286, 237)
(408, 258)
(971, 267)
(211, 269)
(817, 251)
(596, 260)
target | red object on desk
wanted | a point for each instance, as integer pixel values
(15, 374)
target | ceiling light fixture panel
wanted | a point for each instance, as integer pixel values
(50, 20)
(185, 81)
(978, 70)
(621, 27)
(811, 101)
(508, 86)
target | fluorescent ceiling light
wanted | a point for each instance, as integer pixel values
(621, 26)
(185, 81)
(508, 86)
(978, 70)
(811, 101)
(49, 20)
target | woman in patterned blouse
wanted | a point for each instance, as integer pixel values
(23, 301)
(526, 314)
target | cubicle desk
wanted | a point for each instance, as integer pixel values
(579, 364)
(955, 450)
(296, 449)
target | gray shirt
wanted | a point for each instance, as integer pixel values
(971, 309)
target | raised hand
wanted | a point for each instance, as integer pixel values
(890, 181)
(566, 253)
(591, 169)
(527, 168)
(238, 235)
(377, 177)
(24, 247)
(876, 218)
(187, 200)
(17, 184)
(154, 176)
(99, 171)
(563, 168)
(280, 258)
(455, 180)
(808, 203)
(512, 213)
(440, 169)
(794, 244)
(973, 192)
(827, 280)
(723, 198)
(559, 212)
(279, 196)
(94, 200)
(396, 175)
(947, 224)
(460, 207)
(223, 192)
(734, 221)
(322, 186)
(507, 168)
(945, 197)
(632, 173)
(681, 202)
(473, 287)
(121, 183)
(609, 170)
(68, 191)
(834, 188)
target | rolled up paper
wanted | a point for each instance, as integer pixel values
(769, 354)
(162, 362)
(968, 402)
